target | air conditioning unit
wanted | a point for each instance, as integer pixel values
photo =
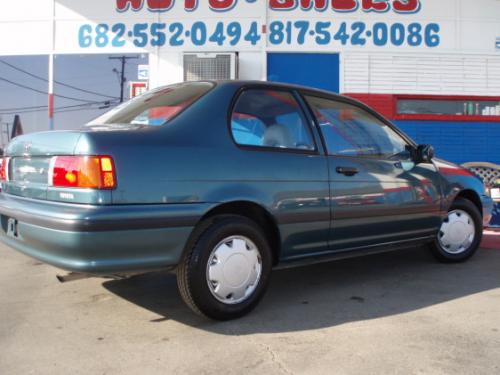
(210, 66)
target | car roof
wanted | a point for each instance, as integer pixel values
(243, 83)
(289, 86)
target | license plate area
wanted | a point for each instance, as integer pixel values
(10, 226)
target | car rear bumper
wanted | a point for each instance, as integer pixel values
(99, 240)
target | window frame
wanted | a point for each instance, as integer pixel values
(309, 121)
(304, 93)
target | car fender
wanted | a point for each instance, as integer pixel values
(456, 181)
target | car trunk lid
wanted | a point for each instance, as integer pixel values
(44, 144)
(29, 167)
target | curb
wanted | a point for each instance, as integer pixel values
(491, 239)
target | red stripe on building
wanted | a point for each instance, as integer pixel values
(51, 106)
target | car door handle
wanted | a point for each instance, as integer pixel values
(348, 171)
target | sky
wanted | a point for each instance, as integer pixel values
(86, 72)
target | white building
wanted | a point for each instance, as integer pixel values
(432, 66)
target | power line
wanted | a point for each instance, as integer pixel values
(22, 108)
(108, 104)
(41, 107)
(57, 82)
(83, 109)
(45, 92)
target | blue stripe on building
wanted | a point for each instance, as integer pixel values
(459, 142)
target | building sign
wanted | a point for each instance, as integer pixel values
(342, 6)
(348, 6)
(178, 35)
(145, 26)
(201, 29)
(137, 88)
(143, 72)
(166, 5)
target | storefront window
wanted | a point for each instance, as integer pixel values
(448, 107)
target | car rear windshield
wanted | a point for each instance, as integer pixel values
(155, 107)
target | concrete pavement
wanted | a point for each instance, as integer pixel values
(385, 314)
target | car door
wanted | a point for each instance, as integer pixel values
(378, 193)
(281, 161)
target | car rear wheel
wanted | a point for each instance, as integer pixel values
(460, 234)
(226, 268)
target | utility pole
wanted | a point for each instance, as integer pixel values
(123, 79)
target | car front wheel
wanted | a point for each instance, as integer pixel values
(226, 268)
(460, 234)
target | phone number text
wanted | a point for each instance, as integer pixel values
(173, 34)
(279, 33)
(355, 34)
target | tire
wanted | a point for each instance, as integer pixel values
(226, 268)
(463, 217)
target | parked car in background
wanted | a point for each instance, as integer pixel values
(221, 182)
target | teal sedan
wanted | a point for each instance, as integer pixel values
(223, 181)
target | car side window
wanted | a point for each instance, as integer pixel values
(270, 118)
(351, 131)
(247, 129)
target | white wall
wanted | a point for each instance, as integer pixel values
(252, 65)
(466, 61)
(165, 68)
(466, 25)
(26, 29)
(438, 74)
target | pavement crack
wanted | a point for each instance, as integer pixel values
(276, 360)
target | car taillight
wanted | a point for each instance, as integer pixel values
(4, 165)
(91, 172)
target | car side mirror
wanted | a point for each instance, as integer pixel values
(424, 154)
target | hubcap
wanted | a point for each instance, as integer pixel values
(457, 232)
(234, 269)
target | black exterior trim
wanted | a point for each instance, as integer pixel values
(329, 256)
(99, 226)
(305, 217)
(93, 223)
